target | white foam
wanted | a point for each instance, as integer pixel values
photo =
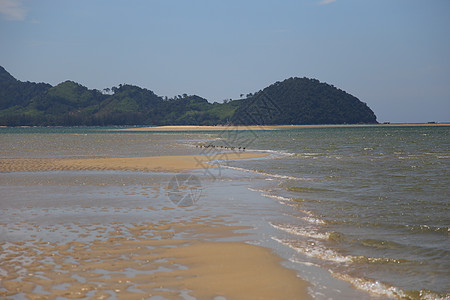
(306, 263)
(291, 204)
(280, 198)
(257, 190)
(432, 296)
(310, 219)
(310, 154)
(301, 231)
(279, 152)
(374, 287)
(266, 174)
(316, 251)
(313, 220)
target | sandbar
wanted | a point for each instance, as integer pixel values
(271, 127)
(200, 128)
(152, 163)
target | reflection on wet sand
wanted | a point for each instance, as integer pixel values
(141, 260)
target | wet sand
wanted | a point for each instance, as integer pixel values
(154, 261)
(153, 163)
(118, 260)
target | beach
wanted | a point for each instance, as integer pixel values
(327, 212)
(47, 255)
(153, 262)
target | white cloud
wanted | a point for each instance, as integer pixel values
(12, 10)
(324, 2)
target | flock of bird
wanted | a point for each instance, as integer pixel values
(219, 147)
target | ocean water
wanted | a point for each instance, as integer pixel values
(371, 205)
(360, 212)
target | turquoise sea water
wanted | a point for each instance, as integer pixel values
(368, 206)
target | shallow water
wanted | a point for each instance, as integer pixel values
(368, 206)
(372, 204)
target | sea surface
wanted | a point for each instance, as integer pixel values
(371, 205)
(359, 212)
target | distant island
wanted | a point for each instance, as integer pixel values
(296, 101)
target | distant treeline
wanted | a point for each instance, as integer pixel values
(293, 101)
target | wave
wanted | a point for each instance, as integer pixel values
(280, 198)
(266, 174)
(390, 226)
(428, 228)
(309, 219)
(266, 193)
(313, 220)
(383, 289)
(425, 250)
(328, 254)
(296, 230)
(306, 263)
(279, 152)
(373, 287)
(294, 203)
(314, 250)
(382, 260)
(381, 244)
(258, 190)
(299, 189)
(297, 206)
(443, 156)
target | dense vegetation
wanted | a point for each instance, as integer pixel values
(302, 101)
(293, 101)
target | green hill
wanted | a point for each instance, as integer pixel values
(302, 101)
(293, 101)
(15, 94)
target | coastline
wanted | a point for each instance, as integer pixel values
(273, 127)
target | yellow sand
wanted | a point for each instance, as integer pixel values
(152, 163)
(238, 269)
(200, 128)
(277, 127)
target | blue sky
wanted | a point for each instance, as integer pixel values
(392, 54)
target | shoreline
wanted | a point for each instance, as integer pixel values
(273, 127)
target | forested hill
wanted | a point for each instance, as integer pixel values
(293, 101)
(302, 101)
